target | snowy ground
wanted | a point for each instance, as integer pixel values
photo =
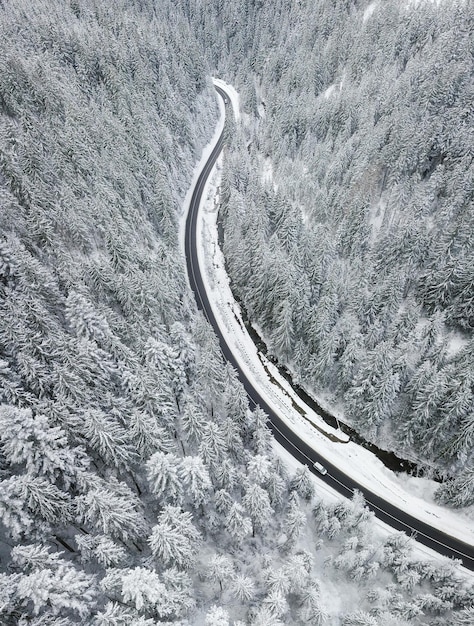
(233, 96)
(413, 495)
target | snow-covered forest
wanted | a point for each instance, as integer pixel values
(351, 190)
(136, 486)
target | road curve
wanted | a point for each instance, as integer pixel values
(297, 447)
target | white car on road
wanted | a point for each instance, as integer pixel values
(320, 468)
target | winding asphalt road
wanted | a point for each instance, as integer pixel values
(298, 448)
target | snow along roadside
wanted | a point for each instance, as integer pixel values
(350, 458)
(206, 153)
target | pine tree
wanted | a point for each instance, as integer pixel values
(223, 501)
(236, 524)
(235, 398)
(359, 618)
(283, 334)
(110, 507)
(43, 498)
(13, 509)
(220, 569)
(302, 483)
(243, 588)
(180, 587)
(275, 604)
(108, 438)
(261, 435)
(257, 503)
(161, 356)
(163, 476)
(193, 423)
(143, 589)
(9, 383)
(183, 346)
(85, 320)
(225, 475)
(375, 389)
(258, 469)
(212, 448)
(195, 479)
(115, 614)
(277, 581)
(311, 611)
(147, 435)
(457, 492)
(41, 448)
(232, 438)
(217, 616)
(275, 486)
(295, 520)
(266, 616)
(49, 584)
(174, 540)
(101, 549)
(464, 617)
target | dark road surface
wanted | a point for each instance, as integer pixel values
(298, 448)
